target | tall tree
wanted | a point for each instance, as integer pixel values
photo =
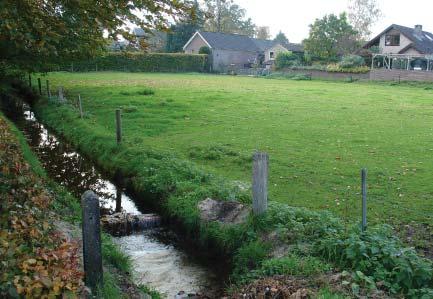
(330, 37)
(182, 31)
(281, 38)
(363, 14)
(262, 32)
(33, 33)
(228, 17)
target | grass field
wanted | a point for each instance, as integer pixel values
(318, 134)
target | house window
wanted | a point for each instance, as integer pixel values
(392, 40)
(271, 55)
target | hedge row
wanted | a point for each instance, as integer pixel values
(141, 62)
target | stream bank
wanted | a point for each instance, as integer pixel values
(160, 258)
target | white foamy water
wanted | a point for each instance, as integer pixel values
(162, 267)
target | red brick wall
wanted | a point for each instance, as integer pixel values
(402, 75)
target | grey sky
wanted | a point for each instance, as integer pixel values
(293, 17)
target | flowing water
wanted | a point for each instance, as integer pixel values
(160, 258)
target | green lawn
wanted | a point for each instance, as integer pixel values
(318, 134)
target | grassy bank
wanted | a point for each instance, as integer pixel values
(318, 134)
(117, 266)
(183, 133)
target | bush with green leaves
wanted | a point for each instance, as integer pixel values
(351, 61)
(378, 256)
(286, 59)
(205, 50)
(141, 62)
(336, 68)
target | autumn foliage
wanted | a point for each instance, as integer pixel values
(36, 261)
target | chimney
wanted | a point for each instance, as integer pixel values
(418, 29)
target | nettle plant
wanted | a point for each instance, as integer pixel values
(379, 260)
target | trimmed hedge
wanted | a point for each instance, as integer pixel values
(141, 62)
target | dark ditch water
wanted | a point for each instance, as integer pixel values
(160, 258)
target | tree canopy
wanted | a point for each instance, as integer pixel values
(228, 17)
(281, 38)
(182, 31)
(262, 32)
(33, 33)
(363, 14)
(330, 37)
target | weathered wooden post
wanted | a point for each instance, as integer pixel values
(364, 198)
(80, 106)
(92, 254)
(118, 200)
(96, 67)
(48, 90)
(260, 182)
(40, 86)
(61, 97)
(118, 126)
(30, 80)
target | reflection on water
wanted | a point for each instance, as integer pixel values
(156, 260)
(70, 169)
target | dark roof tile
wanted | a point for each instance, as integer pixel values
(237, 42)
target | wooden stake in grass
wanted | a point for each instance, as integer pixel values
(40, 86)
(364, 199)
(118, 126)
(61, 97)
(92, 254)
(260, 183)
(48, 90)
(80, 106)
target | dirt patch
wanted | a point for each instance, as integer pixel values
(278, 287)
(295, 287)
(419, 236)
(227, 212)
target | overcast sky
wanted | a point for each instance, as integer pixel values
(293, 17)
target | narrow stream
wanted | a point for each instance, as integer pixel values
(160, 259)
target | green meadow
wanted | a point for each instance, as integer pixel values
(319, 134)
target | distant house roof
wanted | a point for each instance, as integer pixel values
(138, 32)
(422, 41)
(238, 42)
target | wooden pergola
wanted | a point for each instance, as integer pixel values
(389, 60)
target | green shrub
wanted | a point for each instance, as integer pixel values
(377, 255)
(286, 59)
(249, 257)
(142, 62)
(336, 68)
(351, 61)
(204, 50)
(293, 265)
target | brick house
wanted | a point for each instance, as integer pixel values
(237, 51)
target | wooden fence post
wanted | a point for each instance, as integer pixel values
(260, 182)
(30, 80)
(118, 200)
(92, 254)
(40, 86)
(118, 126)
(48, 90)
(80, 106)
(61, 97)
(364, 198)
